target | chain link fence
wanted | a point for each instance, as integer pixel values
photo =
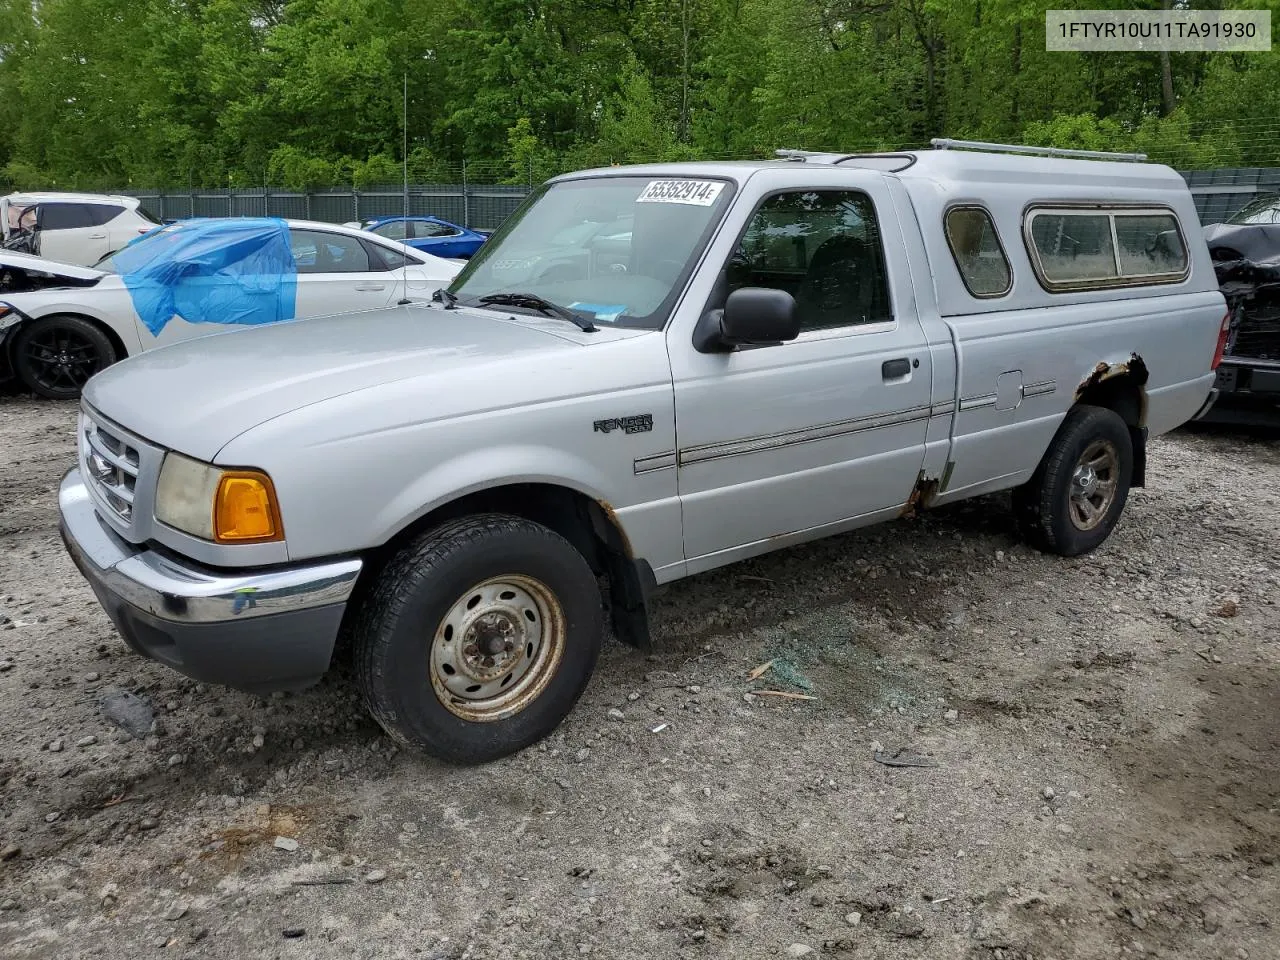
(1218, 194)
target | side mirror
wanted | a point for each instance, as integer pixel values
(751, 316)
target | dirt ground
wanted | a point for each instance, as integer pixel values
(1104, 734)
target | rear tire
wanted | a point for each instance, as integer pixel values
(55, 356)
(478, 638)
(1074, 499)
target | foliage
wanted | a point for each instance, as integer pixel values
(98, 93)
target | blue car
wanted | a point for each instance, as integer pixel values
(429, 234)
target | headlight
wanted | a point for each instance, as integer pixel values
(224, 506)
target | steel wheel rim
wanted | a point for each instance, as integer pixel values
(1094, 484)
(497, 648)
(60, 358)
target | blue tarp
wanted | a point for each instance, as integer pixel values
(232, 270)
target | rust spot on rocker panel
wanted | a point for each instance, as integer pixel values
(922, 494)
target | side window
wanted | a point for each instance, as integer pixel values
(1074, 247)
(318, 252)
(824, 248)
(428, 229)
(65, 216)
(395, 230)
(979, 257)
(103, 213)
(1109, 248)
(384, 258)
(1149, 245)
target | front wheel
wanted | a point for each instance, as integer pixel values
(55, 356)
(1074, 499)
(478, 638)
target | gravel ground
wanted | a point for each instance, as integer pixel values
(1103, 735)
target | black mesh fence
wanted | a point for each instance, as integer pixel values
(474, 206)
(1218, 194)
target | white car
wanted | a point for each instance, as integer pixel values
(61, 323)
(78, 228)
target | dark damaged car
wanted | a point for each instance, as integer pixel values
(1246, 259)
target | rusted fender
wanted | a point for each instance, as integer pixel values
(1134, 366)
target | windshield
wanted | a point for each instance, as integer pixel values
(616, 249)
(22, 216)
(1265, 210)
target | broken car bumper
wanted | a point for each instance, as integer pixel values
(255, 630)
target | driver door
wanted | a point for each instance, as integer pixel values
(787, 442)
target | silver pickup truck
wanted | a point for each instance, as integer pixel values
(736, 357)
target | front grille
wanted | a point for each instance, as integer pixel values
(110, 466)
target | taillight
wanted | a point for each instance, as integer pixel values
(1222, 340)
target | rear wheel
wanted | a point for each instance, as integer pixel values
(478, 638)
(1074, 499)
(55, 356)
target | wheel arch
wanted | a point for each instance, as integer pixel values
(1121, 386)
(588, 522)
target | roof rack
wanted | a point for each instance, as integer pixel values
(800, 156)
(886, 162)
(941, 144)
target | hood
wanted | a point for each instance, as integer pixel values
(1245, 255)
(1256, 240)
(197, 395)
(69, 271)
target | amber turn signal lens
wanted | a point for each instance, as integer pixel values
(245, 510)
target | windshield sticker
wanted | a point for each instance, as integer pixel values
(604, 312)
(701, 193)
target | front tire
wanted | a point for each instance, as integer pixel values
(55, 356)
(478, 638)
(1074, 499)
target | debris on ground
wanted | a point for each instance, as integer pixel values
(759, 671)
(127, 711)
(901, 758)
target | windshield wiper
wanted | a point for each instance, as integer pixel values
(535, 302)
(450, 300)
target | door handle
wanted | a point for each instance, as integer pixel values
(97, 236)
(370, 287)
(893, 369)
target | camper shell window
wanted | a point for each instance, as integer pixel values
(976, 249)
(1099, 247)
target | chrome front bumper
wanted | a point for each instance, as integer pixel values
(253, 630)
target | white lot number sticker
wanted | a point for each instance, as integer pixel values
(701, 193)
